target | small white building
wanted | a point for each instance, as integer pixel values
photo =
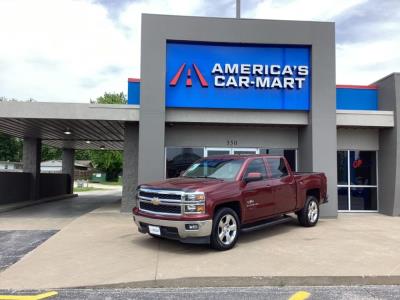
(11, 166)
(82, 170)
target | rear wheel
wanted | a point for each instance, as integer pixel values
(309, 215)
(225, 230)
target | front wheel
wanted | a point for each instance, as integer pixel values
(309, 215)
(225, 230)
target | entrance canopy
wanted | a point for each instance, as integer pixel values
(69, 125)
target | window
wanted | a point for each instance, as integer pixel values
(342, 167)
(363, 167)
(256, 166)
(179, 159)
(357, 181)
(363, 198)
(225, 169)
(277, 167)
(289, 154)
(343, 198)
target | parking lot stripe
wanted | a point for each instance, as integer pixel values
(29, 297)
(301, 295)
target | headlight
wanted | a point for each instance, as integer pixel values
(195, 197)
(194, 208)
(198, 203)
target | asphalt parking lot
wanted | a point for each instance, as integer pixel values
(16, 243)
(257, 293)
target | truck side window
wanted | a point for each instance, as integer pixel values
(256, 166)
(278, 167)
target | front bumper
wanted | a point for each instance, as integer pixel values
(176, 230)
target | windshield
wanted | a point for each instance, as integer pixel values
(224, 169)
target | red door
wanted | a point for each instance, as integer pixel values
(283, 186)
(258, 196)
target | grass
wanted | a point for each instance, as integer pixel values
(85, 189)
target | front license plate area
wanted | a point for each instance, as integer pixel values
(154, 230)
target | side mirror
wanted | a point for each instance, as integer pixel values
(254, 176)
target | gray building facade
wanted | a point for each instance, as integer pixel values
(348, 135)
(315, 140)
(178, 115)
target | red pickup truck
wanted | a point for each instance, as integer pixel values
(218, 197)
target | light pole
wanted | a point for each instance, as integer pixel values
(237, 9)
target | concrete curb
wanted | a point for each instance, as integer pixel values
(256, 281)
(18, 205)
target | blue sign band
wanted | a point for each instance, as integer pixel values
(237, 76)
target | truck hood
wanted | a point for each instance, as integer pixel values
(185, 184)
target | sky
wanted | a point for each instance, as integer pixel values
(74, 51)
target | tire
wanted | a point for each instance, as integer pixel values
(226, 228)
(309, 215)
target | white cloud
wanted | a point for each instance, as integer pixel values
(319, 10)
(54, 46)
(364, 63)
(72, 51)
(357, 62)
(66, 50)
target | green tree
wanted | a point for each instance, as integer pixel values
(10, 148)
(82, 154)
(109, 161)
(112, 98)
(50, 153)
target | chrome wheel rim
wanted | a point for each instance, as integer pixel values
(313, 211)
(227, 229)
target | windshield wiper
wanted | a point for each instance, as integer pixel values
(206, 177)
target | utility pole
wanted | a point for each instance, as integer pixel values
(237, 9)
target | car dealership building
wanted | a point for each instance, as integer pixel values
(233, 86)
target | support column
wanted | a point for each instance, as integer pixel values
(152, 102)
(389, 150)
(130, 167)
(31, 157)
(68, 165)
(318, 140)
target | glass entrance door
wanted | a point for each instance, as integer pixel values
(225, 151)
(357, 181)
(217, 151)
(244, 151)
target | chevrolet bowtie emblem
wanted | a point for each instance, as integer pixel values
(155, 201)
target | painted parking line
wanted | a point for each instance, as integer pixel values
(301, 295)
(28, 297)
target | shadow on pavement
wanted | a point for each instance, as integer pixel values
(72, 207)
(172, 246)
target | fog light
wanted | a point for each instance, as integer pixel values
(192, 226)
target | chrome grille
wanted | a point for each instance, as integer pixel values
(161, 208)
(163, 202)
(159, 195)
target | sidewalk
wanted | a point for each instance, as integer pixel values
(103, 247)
